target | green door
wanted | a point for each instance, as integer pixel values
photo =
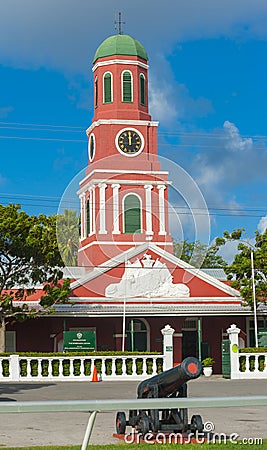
(226, 365)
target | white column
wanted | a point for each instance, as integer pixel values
(116, 210)
(93, 209)
(83, 216)
(233, 332)
(148, 188)
(167, 333)
(162, 229)
(102, 208)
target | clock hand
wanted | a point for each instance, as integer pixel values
(129, 138)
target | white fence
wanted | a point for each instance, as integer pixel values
(79, 368)
(245, 365)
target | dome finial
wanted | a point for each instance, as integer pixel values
(118, 23)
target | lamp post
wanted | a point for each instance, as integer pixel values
(253, 289)
(254, 299)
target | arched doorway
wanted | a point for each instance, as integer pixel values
(137, 335)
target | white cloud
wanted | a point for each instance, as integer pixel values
(64, 34)
(227, 162)
(234, 140)
(262, 225)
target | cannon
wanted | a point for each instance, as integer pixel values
(171, 383)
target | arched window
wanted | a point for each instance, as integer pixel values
(87, 217)
(127, 88)
(107, 87)
(132, 214)
(142, 90)
(96, 92)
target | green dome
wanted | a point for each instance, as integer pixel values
(120, 44)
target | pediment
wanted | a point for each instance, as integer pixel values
(148, 271)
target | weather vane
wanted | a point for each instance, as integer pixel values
(118, 23)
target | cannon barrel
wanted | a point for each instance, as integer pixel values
(171, 380)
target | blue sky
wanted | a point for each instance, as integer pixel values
(208, 89)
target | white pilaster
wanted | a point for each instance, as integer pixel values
(116, 211)
(102, 208)
(148, 189)
(91, 209)
(233, 332)
(83, 215)
(167, 333)
(162, 227)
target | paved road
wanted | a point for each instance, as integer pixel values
(68, 428)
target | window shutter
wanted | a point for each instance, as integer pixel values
(96, 92)
(132, 215)
(107, 88)
(142, 90)
(127, 87)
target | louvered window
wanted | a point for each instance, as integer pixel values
(132, 214)
(107, 88)
(96, 92)
(127, 89)
(142, 90)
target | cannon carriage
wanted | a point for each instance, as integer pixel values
(171, 383)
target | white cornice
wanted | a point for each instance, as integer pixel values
(123, 182)
(120, 61)
(142, 123)
(120, 243)
(121, 172)
(157, 300)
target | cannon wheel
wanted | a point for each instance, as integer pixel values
(196, 424)
(143, 424)
(120, 422)
(133, 417)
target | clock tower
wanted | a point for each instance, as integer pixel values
(124, 195)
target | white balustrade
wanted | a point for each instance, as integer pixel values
(36, 368)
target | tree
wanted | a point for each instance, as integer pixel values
(240, 271)
(198, 254)
(29, 256)
(68, 236)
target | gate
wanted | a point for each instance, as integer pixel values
(226, 365)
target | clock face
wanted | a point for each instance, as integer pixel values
(129, 142)
(91, 147)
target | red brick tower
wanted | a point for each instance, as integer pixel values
(124, 196)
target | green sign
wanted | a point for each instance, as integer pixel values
(168, 348)
(79, 340)
(262, 338)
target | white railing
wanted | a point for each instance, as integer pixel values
(245, 365)
(252, 365)
(79, 368)
(95, 406)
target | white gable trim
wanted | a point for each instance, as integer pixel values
(134, 251)
(199, 274)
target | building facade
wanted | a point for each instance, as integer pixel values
(128, 284)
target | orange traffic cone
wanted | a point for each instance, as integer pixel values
(95, 375)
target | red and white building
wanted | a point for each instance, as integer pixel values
(128, 274)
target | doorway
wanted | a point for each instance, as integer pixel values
(190, 338)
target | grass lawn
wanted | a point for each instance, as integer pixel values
(228, 446)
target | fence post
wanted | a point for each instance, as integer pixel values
(233, 332)
(167, 333)
(14, 368)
